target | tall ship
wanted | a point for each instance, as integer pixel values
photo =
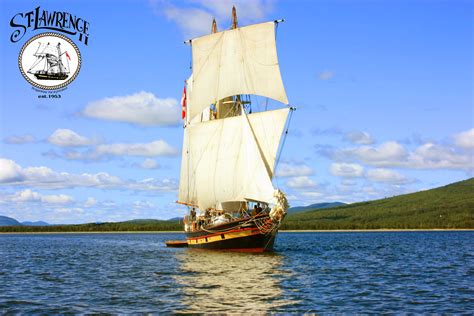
(49, 63)
(230, 149)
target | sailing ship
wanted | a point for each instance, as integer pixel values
(49, 60)
(229, 150)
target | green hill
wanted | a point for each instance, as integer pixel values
(451, 206)
(317, 206)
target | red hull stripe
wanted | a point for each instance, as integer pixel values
(231, 249)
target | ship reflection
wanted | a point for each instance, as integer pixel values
(214, 282)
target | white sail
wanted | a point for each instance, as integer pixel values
(225, 160)
(234, 62)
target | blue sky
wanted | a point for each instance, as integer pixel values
(384, 91)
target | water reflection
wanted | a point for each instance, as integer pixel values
(229, 282)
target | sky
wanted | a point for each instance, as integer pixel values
(383, 91)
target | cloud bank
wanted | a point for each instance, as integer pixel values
(142, 108)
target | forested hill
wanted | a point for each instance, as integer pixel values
(451, 206)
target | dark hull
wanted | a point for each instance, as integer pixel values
(51, 76)
(244, 236)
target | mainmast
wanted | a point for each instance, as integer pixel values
(234, 18)
(214, 26)
(60, 64)
(229, 106)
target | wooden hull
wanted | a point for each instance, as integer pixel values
(244, 236)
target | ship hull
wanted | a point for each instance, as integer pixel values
(253, 236)
(60, 76)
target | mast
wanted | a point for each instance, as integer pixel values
(234, 18)
(214, 26)
(229, 106)
(231, 159)
(60, 64)
(237, 102)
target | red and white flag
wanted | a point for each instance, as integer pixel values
(67, 55)
(183, 104)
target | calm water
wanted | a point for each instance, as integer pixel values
(309, 272)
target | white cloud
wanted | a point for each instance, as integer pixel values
(247, 10)
(26, 196)
(326, 75)
(429, 155)
(359, 138)
(300, 182)
(154, 185)
(435, 156)
(388, 151)
(293, 170)
(195, 19)
(9, 171)
(348, 170)
(152, 149)
(19, 139)
(141, 205)
(192, 22)
(90, 202)
(387, 176)
(312, 194)
(149, 164)
(68, 138)
(30, 196)
(142, 108)
(43, 177)
(465, 139)
(57, 199)
(106, 151)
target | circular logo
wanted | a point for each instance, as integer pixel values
(49, 61)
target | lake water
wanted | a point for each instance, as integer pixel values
(369, 272)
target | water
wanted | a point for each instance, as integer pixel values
(309, 272)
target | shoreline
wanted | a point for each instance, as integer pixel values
(281, 231)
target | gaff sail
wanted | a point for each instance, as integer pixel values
(234, 62)
(231, 159)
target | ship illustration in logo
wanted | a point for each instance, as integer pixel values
(49, 61)
(49, 64)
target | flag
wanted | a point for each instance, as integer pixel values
(67, 55)
(183, 104)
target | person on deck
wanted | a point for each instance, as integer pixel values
(255, 210)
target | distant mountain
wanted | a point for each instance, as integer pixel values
(38, 223)
(175, 219)
(317, 206)
(8, 221)
(142, 221)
